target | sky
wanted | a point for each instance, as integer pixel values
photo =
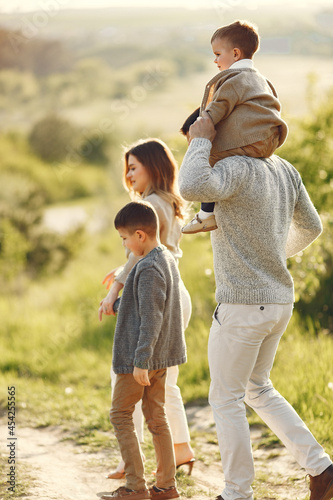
(28, 5)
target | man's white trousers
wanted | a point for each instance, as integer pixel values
(241, 349)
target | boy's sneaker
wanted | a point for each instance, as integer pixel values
(126, 493)
(163, 493)
(198, 225)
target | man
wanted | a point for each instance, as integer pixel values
(264, 215)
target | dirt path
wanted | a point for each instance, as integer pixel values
(61, 472)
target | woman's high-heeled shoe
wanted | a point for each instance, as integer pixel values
(116, 475)
(190, 464)
(118, 472)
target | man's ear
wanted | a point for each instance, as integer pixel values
(237, 53)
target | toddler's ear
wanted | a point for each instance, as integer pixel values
(237, 54)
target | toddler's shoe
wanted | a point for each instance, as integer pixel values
(163, 493)
(198, 225)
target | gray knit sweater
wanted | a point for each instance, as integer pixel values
(149, 331)
(264, 215)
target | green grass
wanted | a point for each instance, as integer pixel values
(54, 348)
(303, 374)
(23, 479)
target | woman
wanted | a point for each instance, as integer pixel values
(151, 173)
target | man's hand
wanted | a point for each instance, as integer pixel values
(203, 127)
(141, 376)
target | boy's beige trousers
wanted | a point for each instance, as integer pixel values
(127, 393)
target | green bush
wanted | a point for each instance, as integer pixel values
(52, 137)
(20, 87)
(94, 148)
(61, 181)
(26, 246)
(13, 251)
(310, 150)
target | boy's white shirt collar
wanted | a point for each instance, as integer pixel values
(242, 63)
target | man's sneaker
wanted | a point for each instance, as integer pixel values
(163, 493)
(198, 225)
(126, 493)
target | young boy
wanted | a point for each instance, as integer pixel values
(148, 338)
(243, 106)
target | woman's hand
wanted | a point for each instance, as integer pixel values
(106, 305)
(109, 278)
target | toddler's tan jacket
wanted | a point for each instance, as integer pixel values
(244, 107)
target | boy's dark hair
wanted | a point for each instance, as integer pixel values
(137, 215)
(189, 121)
(241, 35)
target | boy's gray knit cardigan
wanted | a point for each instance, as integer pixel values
(264, 215)
(149, 331)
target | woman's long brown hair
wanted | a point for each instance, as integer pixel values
(162, 167)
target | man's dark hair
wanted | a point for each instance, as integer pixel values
(189, 121)
(137, 215)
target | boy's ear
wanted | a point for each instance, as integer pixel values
(141, 234)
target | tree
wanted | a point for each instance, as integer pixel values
(52, 137)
